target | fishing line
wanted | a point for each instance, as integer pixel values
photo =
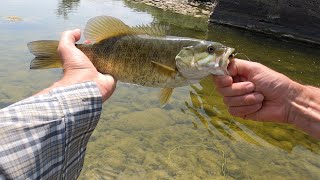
(242, 54)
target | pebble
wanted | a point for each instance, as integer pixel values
(205, 12)
(14, 18)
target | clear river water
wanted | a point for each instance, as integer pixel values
(193, 137)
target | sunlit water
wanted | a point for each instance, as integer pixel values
(193, 137)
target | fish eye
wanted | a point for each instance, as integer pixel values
(210, 49)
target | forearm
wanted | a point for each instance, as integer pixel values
(305, 111)
(45, 136)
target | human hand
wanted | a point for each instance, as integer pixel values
(77, 67)
(253, 91)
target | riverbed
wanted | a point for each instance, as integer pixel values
(193, 137)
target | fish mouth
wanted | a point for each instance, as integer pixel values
(226, 58)
(229, 54)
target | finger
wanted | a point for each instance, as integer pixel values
(239, 67)
(87, 42)
(239, 78)
(237, 89)
(222, 81)
(76, 34)
(243, 111)
(232, 68)
(244, 100)
(69, 38)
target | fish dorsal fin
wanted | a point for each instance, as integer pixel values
(104, 27)
(165, 95)
(166, 70)
(153, 30)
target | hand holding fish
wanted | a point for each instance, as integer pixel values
(78, 68)
(253, 91)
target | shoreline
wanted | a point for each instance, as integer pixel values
(185, 7)
(206, 10)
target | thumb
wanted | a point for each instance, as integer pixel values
(69, 38)
(239, 67)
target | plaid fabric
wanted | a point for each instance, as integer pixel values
(45, 136)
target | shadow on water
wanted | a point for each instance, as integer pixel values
(67, 6)
(208, 107)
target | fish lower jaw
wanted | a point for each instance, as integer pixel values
(225, 61)
(219, 71)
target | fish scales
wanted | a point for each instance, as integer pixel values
(129, 58)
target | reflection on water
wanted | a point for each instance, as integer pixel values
(67, 6)
(194, 137)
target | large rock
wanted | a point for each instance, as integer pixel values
(297, 19)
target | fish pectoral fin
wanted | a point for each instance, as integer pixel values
(104, 27)
(165, 95)
(169, 71)
(153, 30)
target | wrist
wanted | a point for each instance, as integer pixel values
(304, 110)
(295, 102)
(107, 85)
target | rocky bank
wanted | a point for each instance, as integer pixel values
(289, 19)
(186, 7)
(286, 19)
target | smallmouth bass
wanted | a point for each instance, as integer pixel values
(141, 55)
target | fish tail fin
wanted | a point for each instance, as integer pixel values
(46, 54)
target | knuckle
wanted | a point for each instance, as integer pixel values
(222, 81)
(256, 64)
(249, 99)
(248, 88)
(66, 33)
(258, 106)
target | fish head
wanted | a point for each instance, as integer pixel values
(205, 58)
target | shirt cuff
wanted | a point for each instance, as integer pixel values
(45, 136)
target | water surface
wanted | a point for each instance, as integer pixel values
(193, 137)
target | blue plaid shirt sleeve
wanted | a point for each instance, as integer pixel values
(45, 136)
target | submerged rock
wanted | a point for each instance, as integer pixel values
(14, 18)
(148, 119)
